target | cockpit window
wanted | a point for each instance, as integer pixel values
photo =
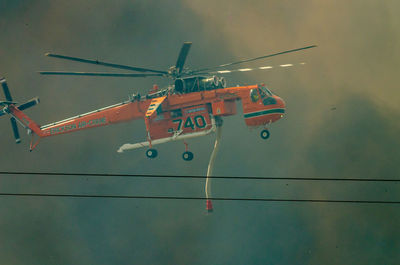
(254, 95)
(269, 101)
(265, 92)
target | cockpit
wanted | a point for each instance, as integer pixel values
(264, 94)
(264, 91)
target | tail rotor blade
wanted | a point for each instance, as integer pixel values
(5, 89)
(5, 103)
(29, 104)
(15, 130)
(182, 56)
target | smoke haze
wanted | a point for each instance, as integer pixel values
(342, 121)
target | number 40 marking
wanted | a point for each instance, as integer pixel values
(199, 122)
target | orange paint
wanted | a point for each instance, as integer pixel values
(171, 114)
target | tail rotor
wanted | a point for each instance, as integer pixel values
(15, 130)
(9, 101)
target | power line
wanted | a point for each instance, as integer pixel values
(196, 177)
(195, 198)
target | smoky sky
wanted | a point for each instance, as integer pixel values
(341, 121)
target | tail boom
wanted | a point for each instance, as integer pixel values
(120, 112)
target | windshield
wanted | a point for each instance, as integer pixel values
(265, 92)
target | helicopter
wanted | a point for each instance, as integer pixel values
(193, 105)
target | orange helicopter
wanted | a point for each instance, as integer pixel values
(192, 106)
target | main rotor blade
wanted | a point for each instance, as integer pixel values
(15, 130)
(98, 74)
(182, 56)
(253, 59)
(227, 71)
(5, 89)
(120, 66)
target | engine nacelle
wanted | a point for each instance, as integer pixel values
(199, 83)
(209, 83)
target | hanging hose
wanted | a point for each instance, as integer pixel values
(209, 206)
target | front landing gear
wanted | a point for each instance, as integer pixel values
(264, 134)
(151, 153)
(187, 156)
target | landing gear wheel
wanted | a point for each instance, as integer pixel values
(151, 153)
(187, 156)
(264, 134)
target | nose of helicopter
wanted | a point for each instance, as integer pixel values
(264, 112)
(280, 102)
(281, 105)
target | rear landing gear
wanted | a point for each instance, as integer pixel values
(151, 153)
(264, 134)
(187, 156)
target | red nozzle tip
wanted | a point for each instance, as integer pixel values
(209, 206)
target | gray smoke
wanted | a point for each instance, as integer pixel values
(342, 113)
